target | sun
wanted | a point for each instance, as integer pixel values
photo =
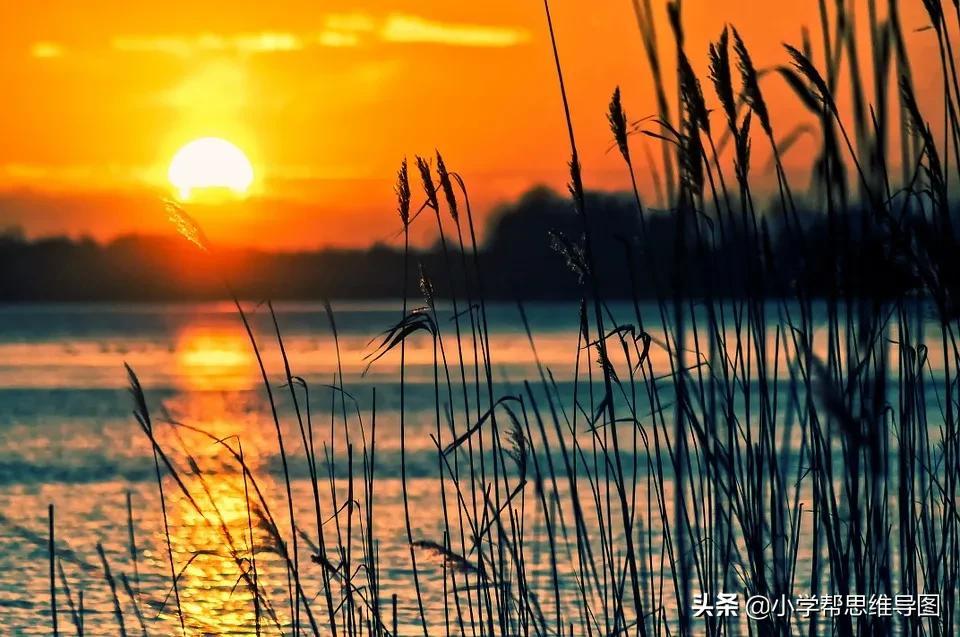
(210, 164)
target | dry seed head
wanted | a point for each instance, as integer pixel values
(751, 83)
(618, 124)
(806, 69)
(518, 450)
(426, 287)
(691, 155)
(454, 560)
(186, 226)
(403, 194)
(429, 189)
(722, 78)
(692, 95)
(447, 187)
(575, 187)
(919, 128)
(572, 253)
(606, 366)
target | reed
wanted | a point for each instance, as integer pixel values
(768, 443)
(112, 583)
(51, 551)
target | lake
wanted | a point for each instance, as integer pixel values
(68, 437)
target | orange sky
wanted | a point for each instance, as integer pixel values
(326, 98)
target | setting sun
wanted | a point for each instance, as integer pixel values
(210, 163)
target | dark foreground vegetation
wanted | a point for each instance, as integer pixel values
(751, 445)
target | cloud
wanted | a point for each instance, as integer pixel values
(46, 50)
(46, 177)
(339, 30)
(184, 46)
(267, 41)
(410, 28)
(337, 39)
(406, 28)
(350, 22)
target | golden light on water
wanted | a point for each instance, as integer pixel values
(208, 358)
(210, 164)
(214, 547)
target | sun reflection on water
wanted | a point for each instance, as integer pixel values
(214, 358)
(212, 534)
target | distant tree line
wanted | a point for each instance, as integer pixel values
(530, 252)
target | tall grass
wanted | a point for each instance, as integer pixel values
(757, 445)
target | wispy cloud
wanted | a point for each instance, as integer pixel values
(410, 28)
(263, 42)
(350, 22)
(46, 50)
(337, 38)
(73, 176)
(339, 30)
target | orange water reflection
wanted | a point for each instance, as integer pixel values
(212, 535)
(214, 358)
